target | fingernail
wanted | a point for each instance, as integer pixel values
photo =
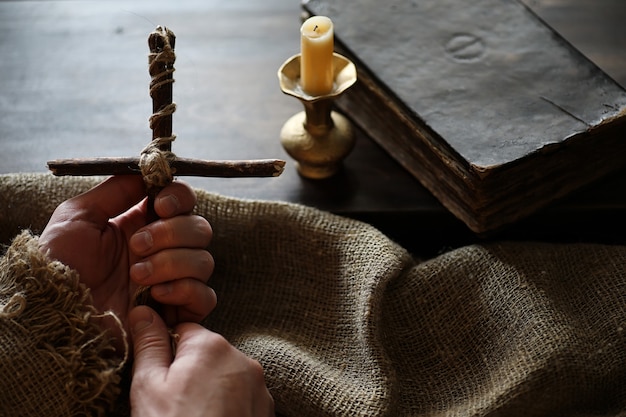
(141, 270)
(141, 241)
(169, 205)
(143, 318)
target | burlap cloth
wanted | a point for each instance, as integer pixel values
(347, 323)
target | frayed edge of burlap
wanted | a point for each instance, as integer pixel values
(47, 299)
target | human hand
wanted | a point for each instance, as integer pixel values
(206, 376)
(106, 235)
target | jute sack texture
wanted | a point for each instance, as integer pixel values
(347, 323)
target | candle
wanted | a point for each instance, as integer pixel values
(316, 60)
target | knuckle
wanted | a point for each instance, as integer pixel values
(204, 228)
(207, 263)
(256, 370)
(216, 344)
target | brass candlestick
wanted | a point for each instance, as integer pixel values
(318, 138)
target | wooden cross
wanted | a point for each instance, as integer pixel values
(157, 163)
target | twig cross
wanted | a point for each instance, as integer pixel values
(157, 163)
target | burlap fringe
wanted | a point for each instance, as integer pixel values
(46, 298)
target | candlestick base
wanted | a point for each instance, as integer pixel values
(317, 156)
(318, 139)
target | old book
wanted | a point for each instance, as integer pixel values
(488, 107)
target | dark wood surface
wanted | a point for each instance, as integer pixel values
(75, 84)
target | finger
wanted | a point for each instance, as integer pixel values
(173, 264)
(208, 348)
(192, 340)
(178, 232)
(199, 349)
(192, 300)
(177, 198)
(151, 342)
(108, 199)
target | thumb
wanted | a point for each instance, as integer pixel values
(111, 197)
(151, 340)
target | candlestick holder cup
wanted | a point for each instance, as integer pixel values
(318, 138)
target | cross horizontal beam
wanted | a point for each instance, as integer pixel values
(180, 166)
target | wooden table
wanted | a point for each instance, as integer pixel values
(75, 84)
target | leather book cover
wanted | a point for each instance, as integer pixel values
(487, 106)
